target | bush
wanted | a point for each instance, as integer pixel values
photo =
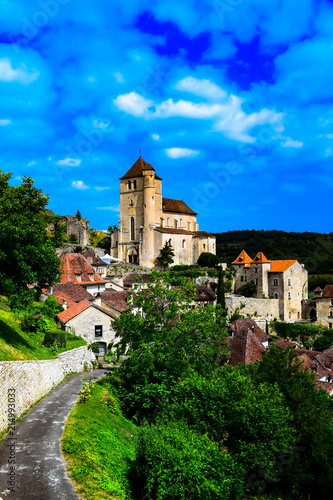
(249, 289)
(55, 339)
(51, 307)
(293, 330)
(208, 259)
(72, 238)
(177, 463)
(324, 341)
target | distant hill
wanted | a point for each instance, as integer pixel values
(315, 250)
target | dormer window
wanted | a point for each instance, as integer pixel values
(91, 276)
(78, 277)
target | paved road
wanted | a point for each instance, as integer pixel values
(40, 469)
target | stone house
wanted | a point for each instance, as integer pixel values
(247, 343)
(68, 294)
(148, 221)
(91, 321)
(76, 269)
(284, 280)
(98, 265)
(320, 309)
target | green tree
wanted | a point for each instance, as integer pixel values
(249, 289)
(220, 291)
(78, 215)
(112, 229)
(207, 259)
(166, 339)
(27, 254)
(312, 470)
(166, 255)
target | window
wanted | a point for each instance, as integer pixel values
(289, 315)
(162, 222)
(276, 295)
(331, 314)
(330, 325)
(98, 331)
(289, 282)
(189, 226)
(134, 184)
(184, 244)
(170, 242)
(275, 282)
(256, 281)
(129, 185)
(204, 246)
(242, 278)
(289, 295)
(298, 315)
(255, 269)
(176, 224)
(181, 223)
(168, 220)
(245, 278)
(132, 229)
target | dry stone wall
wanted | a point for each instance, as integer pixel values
(26, 382)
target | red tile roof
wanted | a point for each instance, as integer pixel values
(137, 169)
(133, 278)
(95, 259)
(327, 292)
(116, 300)
(260, 259)
(245, 348)
(204, 293)
(279, 266)
(250, 324)
(73, 311)
(203, 234)
(284, 344)
(73, 265)
(177, 206)
(71, 292)
(78, 308)
(243, 258)
(318, 289)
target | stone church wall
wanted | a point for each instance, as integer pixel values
(28, 381)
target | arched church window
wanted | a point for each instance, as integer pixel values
(170, 242)
(129, 185)
(184, 244)
(132, 229)
(181, 223)
(134, 184)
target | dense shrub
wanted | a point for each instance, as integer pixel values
(293, 330)
(55, 338)
(324, 341)
(207, 259)
(249, 289)
(51, 307)
(177, 463)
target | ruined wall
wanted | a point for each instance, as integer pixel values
(256, 308)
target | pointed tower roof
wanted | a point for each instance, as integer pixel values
(243, 258)
(137, 169)
(318, 289)
(260, 259)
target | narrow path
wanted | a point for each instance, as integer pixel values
(40, 468)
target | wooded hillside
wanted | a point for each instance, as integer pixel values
(315, 250)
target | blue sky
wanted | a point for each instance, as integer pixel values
(229, 100)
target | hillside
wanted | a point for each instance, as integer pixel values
(315, 250)
(18, 345)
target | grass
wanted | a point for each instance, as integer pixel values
(17, 345)
(99, 446)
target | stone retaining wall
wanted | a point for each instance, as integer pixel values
(266, 309)
(27, 381)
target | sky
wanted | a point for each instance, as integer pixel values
(231, 101)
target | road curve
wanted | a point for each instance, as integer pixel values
(40, 469)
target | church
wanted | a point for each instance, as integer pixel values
(148, 221)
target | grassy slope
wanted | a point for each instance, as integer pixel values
(99, 447)
(18, 345)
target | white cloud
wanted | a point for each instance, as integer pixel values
(228, 118)
(79, 185)
(113, 208)
(290, 143)
(203, 88)
(133, 104)
(156, 137)
(32, 163)
(98, 124)
(102, 188)
(70, 162)
(4, 123)
(21, 74)
(181, 153)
